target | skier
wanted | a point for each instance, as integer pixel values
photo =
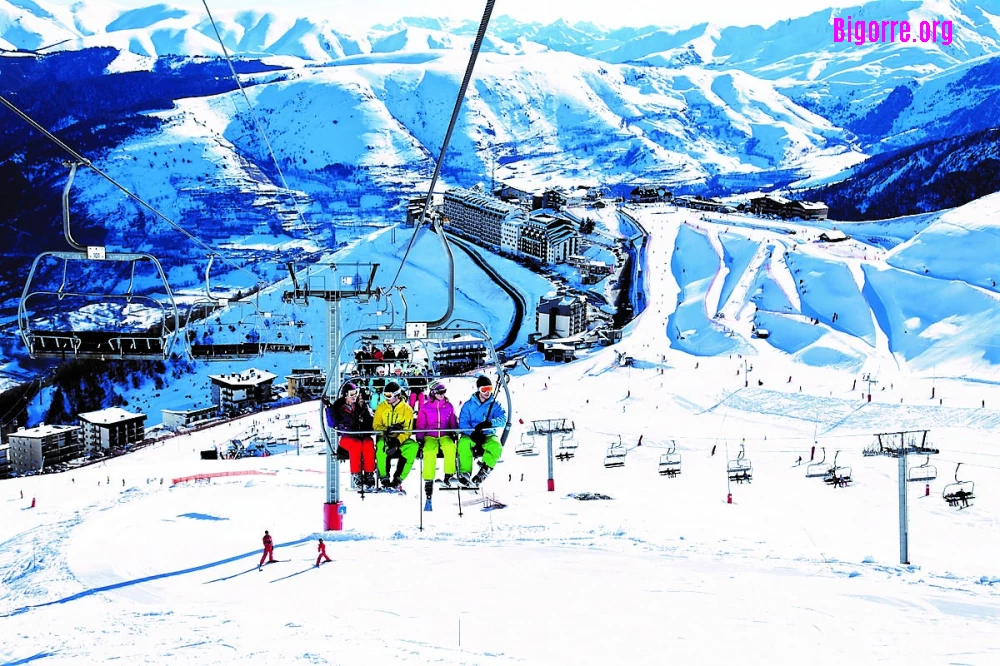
(268, 551)
(321, 549)
(375, 387)
(436, 424)
(418, 385)
(351, 417)
(479, 417)
(394, 418)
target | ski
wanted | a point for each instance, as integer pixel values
(455, 486)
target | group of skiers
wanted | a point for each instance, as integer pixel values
(268, 556)
(406, 429)
(370, 357)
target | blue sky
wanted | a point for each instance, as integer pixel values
(644, 12)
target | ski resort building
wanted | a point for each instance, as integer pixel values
(4, 461)
(306, 383)
(33, 449)
(549, 238)
(174, 419)
(242, 390)
(111, 428)
(561, 316)
(480, 217)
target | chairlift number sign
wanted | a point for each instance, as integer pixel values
(416, 329)
(96, 252)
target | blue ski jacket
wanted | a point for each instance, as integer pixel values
(474, 412)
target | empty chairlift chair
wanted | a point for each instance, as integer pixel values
(616, 455)
(64, 313)
(740, 469)
(567, 447)
(526, 447)
(670, 462)
(922, 473)
(819, 469)
(960, 493)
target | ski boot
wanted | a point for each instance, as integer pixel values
(368, 479)
(385, 482)
(428, 491)
(356, 482)
(464, 480)
(481, 475)
(446, 481)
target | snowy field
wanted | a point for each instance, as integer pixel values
(112, 565)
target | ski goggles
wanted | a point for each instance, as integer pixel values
(353, 393)
(486, 390)
(440, 390)
(390, 395)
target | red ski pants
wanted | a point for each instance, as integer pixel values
(268, 555)
(358, 449)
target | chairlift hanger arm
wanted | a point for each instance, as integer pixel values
(476, 46)
(83, 160)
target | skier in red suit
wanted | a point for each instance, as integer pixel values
(268, 550)
(322, 553)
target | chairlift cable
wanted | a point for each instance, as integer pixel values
(256, 122)
(83, 160)
(480, 35)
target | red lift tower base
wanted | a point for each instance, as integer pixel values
(333, 516)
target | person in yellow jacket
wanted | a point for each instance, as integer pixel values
(394, 419)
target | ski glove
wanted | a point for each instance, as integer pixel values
(483, 425)
(394, 430)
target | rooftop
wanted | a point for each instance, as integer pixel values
(43, 430)
(109, 416)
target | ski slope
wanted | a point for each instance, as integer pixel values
(112, 565)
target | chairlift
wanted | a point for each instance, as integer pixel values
(839, 475)
(83, 322)
(819, 469)
(960, 493)
(218, 329)
(616, 455)
(924, 472)
(670, 462)
(740, 469)
(526, 447)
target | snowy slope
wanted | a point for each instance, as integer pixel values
(117, 566)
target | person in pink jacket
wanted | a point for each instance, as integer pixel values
(435, 429)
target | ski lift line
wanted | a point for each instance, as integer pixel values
(476, 46)
(86, 162)
(256, 120)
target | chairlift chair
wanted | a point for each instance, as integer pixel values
(83, 322)
(615, 456)
(839, 475)
(819, 469)
(670, 462)
(924, 472)
(526, 447)
(740, 469)
(347, 366)
(960, 493)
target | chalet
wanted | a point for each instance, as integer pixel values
(778, 206)
(833, 236)
(769, 204)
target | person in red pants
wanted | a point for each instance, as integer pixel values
(268, 551)
(322, 553)
(351, 417)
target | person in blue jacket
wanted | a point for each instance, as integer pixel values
(481, 415)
